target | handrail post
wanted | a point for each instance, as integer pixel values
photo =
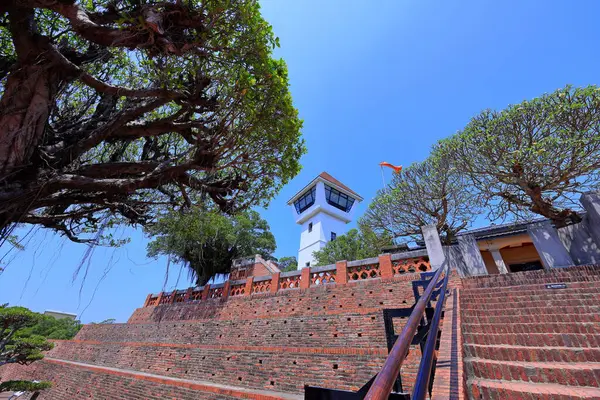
(384, 382)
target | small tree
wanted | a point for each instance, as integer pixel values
(533, 157)
(17, 348)
(426, 193)
(288, 264)
(207, 241)
(53, 328)
(354, 245)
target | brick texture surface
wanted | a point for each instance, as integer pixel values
(277, 341)
(448, 381)
(526, 339)
(91, 382)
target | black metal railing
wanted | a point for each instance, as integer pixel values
(383, 384)
(427, 365)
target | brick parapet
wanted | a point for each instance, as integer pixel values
(337, 275)
(293, 301)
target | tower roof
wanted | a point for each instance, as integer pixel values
(324, 176)
(331, 179)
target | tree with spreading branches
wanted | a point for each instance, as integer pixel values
(431, 192)
(535, 157)
(207, 242)
(113, 110)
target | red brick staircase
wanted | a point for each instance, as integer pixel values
(532, 335)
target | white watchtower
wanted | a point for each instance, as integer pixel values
(322, 208)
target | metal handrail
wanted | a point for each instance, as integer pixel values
(384, 382)
(425, 367)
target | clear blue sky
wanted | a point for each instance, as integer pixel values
(374, 81)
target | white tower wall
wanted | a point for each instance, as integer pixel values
(324, 218)
(322, 226)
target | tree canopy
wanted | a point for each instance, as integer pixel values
(53, 328)
(533, 157)
(425, 193)
(354, 245)
(288, 264)
(18, 346)
(111, 110)
(208, 241)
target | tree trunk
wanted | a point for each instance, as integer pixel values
(30, 91)
(559, 218)
(25, 106)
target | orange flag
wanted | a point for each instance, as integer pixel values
(396, 168)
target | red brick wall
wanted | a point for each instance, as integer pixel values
(260, 270)
(361, 296)
(76, 382)
(328, 335)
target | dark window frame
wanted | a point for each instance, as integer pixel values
(337, 199)
(310, 226)
(333, 236)
(306, 201)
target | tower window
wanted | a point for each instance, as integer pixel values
(309, 227)
(333, 235)
(308, 263)
(307, 200)
(338, 199)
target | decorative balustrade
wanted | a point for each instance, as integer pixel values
(166, 298)
(289, 281)
(196, 294)
(363, 269)
(261, 286)
(322, 275)
(238, 289)
(385, 266)
(215, 292)
(411, 265)
(152, 301)
(179, 297)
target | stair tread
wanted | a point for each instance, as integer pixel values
(541, 364)
(531, 323)
(232, 391)
(538, 388)
(517, 347)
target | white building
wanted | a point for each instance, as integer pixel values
(322, 208)
(60, 314)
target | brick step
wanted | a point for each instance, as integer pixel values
(534, 318)
(589, 328)
(502, 390)
(249, 366)
(527, 311)
(534, 339)
(540, 296)
(535, 284)
(532, 288)
(205, 387)
(581, 273)
(569, 374)
(530, 353)
(554, 303)
(343, 330)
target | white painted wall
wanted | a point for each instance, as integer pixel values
(325, 219)
(323, 225)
